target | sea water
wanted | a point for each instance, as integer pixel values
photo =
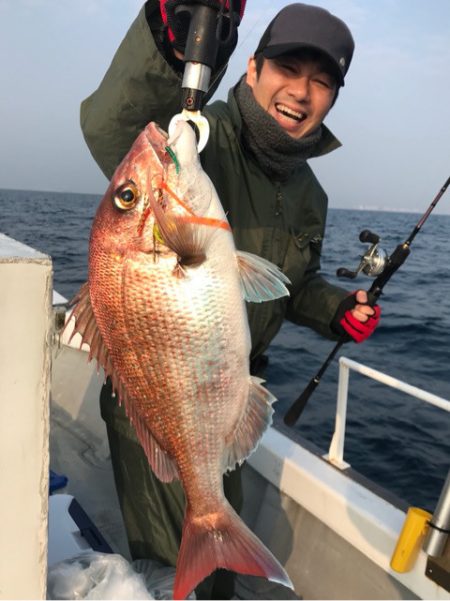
(395, 440)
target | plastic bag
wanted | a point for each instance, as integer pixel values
(94, 575)
(158, 578)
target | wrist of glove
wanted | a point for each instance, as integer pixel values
(177, 24)
(346, 325)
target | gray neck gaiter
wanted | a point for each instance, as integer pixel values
(275, 151)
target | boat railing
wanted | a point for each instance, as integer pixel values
(336, 451)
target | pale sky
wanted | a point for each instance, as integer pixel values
(392, 116)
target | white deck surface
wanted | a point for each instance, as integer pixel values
(345, 517)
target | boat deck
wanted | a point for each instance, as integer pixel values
(321, 563)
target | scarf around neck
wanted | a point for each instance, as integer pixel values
(277, 153)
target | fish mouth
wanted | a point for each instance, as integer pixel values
(286, 111)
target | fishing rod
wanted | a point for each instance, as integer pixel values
(374, 263)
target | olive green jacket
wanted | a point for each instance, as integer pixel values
(283, 222)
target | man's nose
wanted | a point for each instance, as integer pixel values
(300, 89)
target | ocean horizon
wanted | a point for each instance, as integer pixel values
(441, 209)
(398, 442)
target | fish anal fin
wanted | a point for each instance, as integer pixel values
(261, 280)
(161, 463)
(255, 419)
(224, 542)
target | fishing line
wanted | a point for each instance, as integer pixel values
(241, 43)
(173, 156)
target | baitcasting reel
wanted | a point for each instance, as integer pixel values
(372, 262)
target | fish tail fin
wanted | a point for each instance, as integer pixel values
(222, 541)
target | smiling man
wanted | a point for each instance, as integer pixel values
(257, 157)
(297, 90)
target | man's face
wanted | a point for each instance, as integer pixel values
(296, 91)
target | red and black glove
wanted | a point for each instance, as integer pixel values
(178, 24)
(345, 324)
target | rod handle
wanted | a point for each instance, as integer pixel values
(297, 407)
(201, 42)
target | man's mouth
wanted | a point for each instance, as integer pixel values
(288, 112)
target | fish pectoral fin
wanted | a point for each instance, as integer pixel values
(86, 326)
(185, 234)
(256, 418)
(261, 280)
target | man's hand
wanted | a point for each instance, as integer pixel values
(178, 25)
(355, 318)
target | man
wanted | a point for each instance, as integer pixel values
(256, 156)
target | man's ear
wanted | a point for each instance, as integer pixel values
(252, 75)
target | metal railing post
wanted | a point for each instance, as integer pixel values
(335, 454)
(439, 531)
(336, 450)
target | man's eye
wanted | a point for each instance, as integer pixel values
(322, 81)
(288, 68)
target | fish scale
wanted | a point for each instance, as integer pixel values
(182, 390)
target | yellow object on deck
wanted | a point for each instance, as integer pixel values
(410, 540)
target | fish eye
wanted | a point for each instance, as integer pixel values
(126, 196)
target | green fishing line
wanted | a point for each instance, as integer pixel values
(172, 155)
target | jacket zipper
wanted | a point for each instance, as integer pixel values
(278, 202)
(276, 234)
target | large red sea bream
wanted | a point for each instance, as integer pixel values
(164, 314)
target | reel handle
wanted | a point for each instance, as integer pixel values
(372, 262)
(342, 272)
(369, 237)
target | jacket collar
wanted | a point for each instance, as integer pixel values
(326, 144)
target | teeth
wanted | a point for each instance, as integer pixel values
(289, 112)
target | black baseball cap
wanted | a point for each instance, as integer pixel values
(299, 26)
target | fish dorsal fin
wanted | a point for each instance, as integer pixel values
(261, 280)
(86, 325)
(254, 421)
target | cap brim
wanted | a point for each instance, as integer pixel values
(280, 49)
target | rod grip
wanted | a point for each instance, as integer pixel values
(297, 407)
(201, 43)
